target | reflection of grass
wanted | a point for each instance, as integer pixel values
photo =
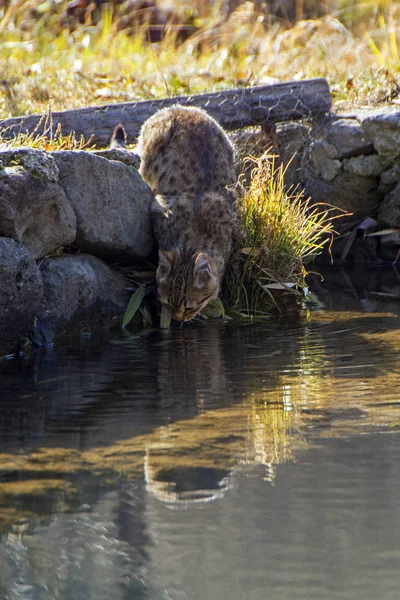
(32, 487)
(321, 397)
(10, 516)
(21, 494)
(271, 428)
(219, 439)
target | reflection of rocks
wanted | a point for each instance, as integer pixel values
(128, 415)
(180, 380)
(304, 530)
(356, 289)
(284, 388)
(72, 553)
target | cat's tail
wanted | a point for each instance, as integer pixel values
(119, 137)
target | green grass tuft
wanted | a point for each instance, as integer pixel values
(280, 231)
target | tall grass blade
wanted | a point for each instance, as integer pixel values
(133, 306)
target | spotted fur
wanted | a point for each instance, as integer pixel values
(188, 161)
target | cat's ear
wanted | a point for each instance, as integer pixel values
(166, 259)
(168, 255)
(119, 137)
(204, 269)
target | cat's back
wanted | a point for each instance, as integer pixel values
(183, 149)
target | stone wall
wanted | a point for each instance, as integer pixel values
(98, 205)
(351, 161)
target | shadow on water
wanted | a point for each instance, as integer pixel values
(90, 439)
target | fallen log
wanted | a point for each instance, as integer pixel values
(233, 109)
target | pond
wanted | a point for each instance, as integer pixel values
(210, 461)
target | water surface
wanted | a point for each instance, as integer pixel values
(213, 461)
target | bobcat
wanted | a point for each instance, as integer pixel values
(188, 161)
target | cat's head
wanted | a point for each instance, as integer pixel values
(186, 283)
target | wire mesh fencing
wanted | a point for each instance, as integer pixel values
(233, 108)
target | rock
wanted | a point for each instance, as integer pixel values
(366, 166)
(128, 157)
(361, 251)
(322, 158)
(39, 163)
(390, 177)
(111, 203)
(351, 193)
(348, 137)
(389, 247)
(80, 293)
(292, 140)
(383, 128)
(288, 143)
(389, 211)
(34, 210)
(20, 294)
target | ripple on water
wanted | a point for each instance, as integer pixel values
(212, 461)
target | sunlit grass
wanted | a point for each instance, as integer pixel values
(280, 232)
(43, 60)
(383, 41)
(47, 140)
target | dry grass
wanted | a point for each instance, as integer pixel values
(280, 233)
(43, 60)
(47, 140)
